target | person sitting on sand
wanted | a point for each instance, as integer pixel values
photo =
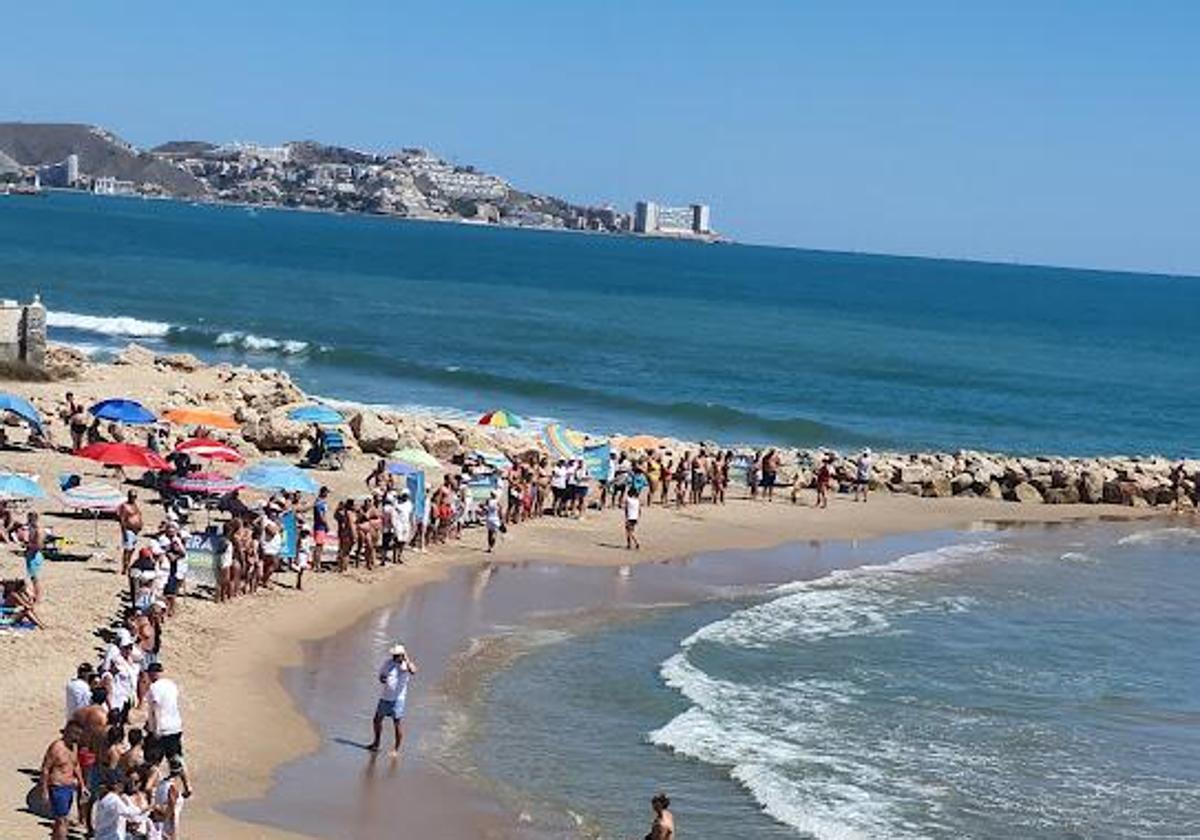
(19, 603)
(393, 676)
(663, 827)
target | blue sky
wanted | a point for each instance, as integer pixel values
(1047, 132)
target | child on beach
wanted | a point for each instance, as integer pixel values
(633, 511)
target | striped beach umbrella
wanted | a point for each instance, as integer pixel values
(563, 442)
(500, 419)
(210, 450)
(94, 497)
(204, 484)
(17, 486)
(201, 417)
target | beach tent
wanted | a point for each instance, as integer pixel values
(277, 475)
(210, 450)
(416, 457)
(123, 455)
(500, 419)
(21, 407)
(17, 486)
(123, 411)
(322, 415)
(201, 417)
(562, 442)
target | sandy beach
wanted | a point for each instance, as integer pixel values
(240, 721)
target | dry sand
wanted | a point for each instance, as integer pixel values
(240, 722)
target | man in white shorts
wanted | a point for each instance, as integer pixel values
(393, 676)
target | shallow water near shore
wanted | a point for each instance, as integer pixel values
(734, 343)
(1036, 682)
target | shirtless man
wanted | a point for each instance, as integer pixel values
(35, 541)
(60, 778)
(76, 419)
(130, 517)
(663, 827)
(91, 724)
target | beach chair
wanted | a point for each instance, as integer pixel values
(333, 454)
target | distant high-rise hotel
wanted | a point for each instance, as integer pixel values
(650, 217)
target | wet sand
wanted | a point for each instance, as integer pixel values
(462, 630)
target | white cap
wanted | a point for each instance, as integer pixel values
(399, 650)
(124, 638)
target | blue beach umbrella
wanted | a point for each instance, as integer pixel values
(322, 415)
(22, 408)
(277, 475)
(123, 411)
(16, 486)
(401, 468)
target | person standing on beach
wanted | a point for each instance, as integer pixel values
(824, 481)
(35, 541)
(61, 777)
(129, 515)
(165, 722)
(393, 676)
(862, 475)
(77, 421)
(492, 520)
(770, 471)
(633, 511)
(320, 528)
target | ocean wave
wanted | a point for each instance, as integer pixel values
(1161, 535)
(117, 325)
(847, 602)
(252, 343)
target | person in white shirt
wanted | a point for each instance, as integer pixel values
(633, 510)
(79, 689)
(113, 813)
(121, 676)
(165, 721)
(393, 676)
(402, 514)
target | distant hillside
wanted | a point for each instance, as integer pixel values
(8, 165)
(100, 154)
(183, 148)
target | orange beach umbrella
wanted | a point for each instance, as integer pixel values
(201, 417)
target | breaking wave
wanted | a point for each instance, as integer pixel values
(117, 325)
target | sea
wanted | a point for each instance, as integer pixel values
(1036, 683)
(606, 333)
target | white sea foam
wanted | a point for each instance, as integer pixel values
(108, 325)
(1161, 535)
(252, 343)
(775, 739)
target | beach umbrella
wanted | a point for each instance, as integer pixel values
(500, 419)
(322, 415)
(401, 468)
(495, 460)
(210, 450)
(277, 475)
(643, 442)
(21, 407)
(123, 455)
(201, 417)
(17, 486)
(416, 457)
(203, 484)
(96, 499)
(563, 442)
(123, 411)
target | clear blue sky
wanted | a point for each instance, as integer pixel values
(1048, 132)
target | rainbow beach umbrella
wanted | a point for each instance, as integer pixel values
(563, 442)
(500, 419)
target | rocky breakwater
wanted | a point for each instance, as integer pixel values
(1132, 481)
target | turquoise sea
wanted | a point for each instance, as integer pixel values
(738, 343)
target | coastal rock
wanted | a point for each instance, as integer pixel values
(185, 362)
(938, 487)
(276, 433)
(1123, 493)
(442, 444)
(1026, 494)
(1062, 496)
(134, 354)
(1091, 488)
(962, 482)
(64, 362)
(374, 436)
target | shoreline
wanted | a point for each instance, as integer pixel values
(284, 652)
(229, 659)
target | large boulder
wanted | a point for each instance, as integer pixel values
(1026, 494)
(1091, 488)
(134, 354)
(276, 433)
(374, 436)
(992, 490)
(442, 444)
(1123, 493)
(183, 362)
(938, 487)
(1062, 495)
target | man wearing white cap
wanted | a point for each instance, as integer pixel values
(862, 475)
(393, 676)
